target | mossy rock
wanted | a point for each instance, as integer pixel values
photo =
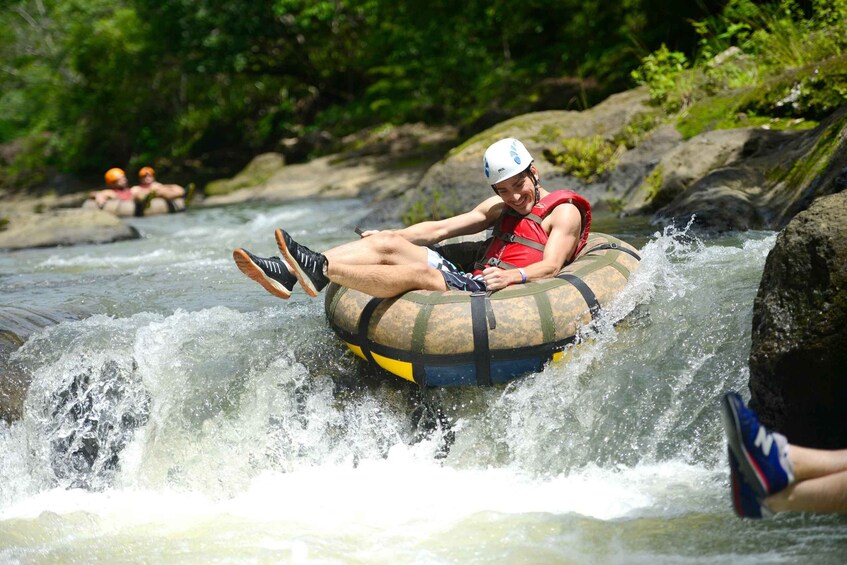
(260, 169)
(812, 92)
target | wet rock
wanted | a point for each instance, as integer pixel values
(16, 325)
(63, 227)
(798, 360)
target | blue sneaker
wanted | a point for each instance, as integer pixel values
(745, 502)
(762, 455)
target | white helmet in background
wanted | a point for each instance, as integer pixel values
(505, 159)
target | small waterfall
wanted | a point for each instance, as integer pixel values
(209, 419)
(216, 397)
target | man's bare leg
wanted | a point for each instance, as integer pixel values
(385, 281)
(822, 494)
(821, 482)
(401, 266)
(383, 248)
(810, 463)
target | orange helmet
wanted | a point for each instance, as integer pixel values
(112, 175)
(146, 171)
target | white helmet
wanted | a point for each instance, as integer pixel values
(505, 159)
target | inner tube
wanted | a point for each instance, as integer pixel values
(128, 208)
(456, 338)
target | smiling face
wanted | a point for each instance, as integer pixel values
(518, 192)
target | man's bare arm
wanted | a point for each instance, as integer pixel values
(565, 230)
(478, 219)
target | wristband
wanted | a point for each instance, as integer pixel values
(523, 275)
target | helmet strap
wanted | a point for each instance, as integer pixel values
(535, 185)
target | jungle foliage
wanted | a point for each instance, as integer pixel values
(89, 84)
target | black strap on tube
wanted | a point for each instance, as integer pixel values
(585, 291)
(482, 353)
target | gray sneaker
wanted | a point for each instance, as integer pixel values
(270, 272)
(308, 265)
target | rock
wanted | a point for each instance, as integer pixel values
(723, 200)
(13, 382)
(798, 359)
(63, 227)
(775, 174)
(458, 182)
(379, 164)
(260, 169)
(690, 161)
(16, 325)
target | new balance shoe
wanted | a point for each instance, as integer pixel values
(745, 502)
(307, 265)
(762, 455)
(270, 272)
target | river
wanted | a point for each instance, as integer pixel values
(188, 416)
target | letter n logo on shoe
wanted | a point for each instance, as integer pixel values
(764, 441)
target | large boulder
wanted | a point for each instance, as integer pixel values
(750, 178)
(456, 183)
(260, 169)
(798, 360)
(63, 227)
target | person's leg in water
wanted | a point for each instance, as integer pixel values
(780, 476)
(381, 265)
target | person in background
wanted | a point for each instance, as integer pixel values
(147, 184)
(536, 232)
(117, 188)
(769, 475)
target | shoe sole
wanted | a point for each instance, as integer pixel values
(735, 480)
(249, 268)
(746, 463)
(304, 280)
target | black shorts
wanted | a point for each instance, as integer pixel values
(454, 277)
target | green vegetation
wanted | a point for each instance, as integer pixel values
(197, 88)
(652, 185)
(435, 209)
(585, 157)
(782, 65)
(662, 71)
(804, 170)
(198, 84)
(637, 129)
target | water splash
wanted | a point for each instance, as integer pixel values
(642, 385)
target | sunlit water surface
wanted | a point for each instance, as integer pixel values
(186, 415)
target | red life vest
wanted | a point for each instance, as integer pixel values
(519, 240)
(123, 194)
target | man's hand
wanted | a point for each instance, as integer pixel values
(497, 278)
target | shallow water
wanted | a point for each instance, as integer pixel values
(188, 416)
